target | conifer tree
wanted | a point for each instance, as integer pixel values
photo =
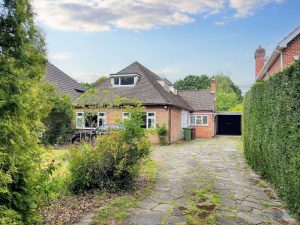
(22, 66)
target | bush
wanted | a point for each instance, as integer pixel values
(271, 132)
(9, 216)
(22, 66)
(58, 128)
(162, 133)
(114, 162)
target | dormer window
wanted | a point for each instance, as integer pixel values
(124, 80)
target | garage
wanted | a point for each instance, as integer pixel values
(228, 123)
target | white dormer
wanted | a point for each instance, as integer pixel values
(120, 80)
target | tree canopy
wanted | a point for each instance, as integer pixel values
(193, 82)
(228, 94)
(22, 66)
(94, 84)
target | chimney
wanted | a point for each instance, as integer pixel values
(213, 86)
(260, 54)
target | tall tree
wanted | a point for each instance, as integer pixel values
(193, 82)
(22, 66)
(226, 85)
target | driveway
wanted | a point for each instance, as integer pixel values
(216, 172)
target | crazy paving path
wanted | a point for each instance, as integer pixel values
(207, 182)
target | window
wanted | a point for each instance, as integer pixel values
(125, 116)
(149, 119)
(79, 120)
(89, 120)
(123, 81)
(199, 120)
(117, 81)
(101, 119)
(127, 80)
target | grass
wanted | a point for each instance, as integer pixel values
(262, 184)
(201, 209)
(239, 144)
(116, 211)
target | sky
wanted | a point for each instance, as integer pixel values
(174, 38)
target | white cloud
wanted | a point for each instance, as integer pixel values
(105, 15)
(62, 56)
(246, 8)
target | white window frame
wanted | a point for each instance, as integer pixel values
(154, 118)
(199, 116)
(103, 117)
(82, 118)
(121, 85)
(124, 117)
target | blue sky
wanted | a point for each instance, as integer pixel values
(88, 39)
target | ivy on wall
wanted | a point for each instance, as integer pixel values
(271, 132)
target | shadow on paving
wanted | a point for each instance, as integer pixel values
(215, 166)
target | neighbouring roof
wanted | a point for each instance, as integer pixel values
(281, 45)
(63, 82)
(199, 100)
(147, 90)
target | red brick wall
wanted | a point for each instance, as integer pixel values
(162, 115)
(205, 131)
(275, 67)
(292, 49)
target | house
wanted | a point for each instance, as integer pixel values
(163, 104)
(64, 83)
(285, 53)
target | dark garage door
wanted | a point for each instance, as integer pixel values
(229, 125)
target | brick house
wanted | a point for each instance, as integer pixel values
(163, 104)
(285, 53)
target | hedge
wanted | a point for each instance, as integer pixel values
(271, 132)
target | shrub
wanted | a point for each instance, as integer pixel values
(22, 66)
(271, 132)
(114, 161)
(9, 216)
(162, 133)
(58, 128)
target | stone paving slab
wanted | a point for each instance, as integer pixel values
(212, 163)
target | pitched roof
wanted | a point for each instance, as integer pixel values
(200, 100)
(63, 82)
(281, 45)
(147, 89)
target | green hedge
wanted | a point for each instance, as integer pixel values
(271, 132)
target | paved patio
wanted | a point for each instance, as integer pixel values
(216, 165)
